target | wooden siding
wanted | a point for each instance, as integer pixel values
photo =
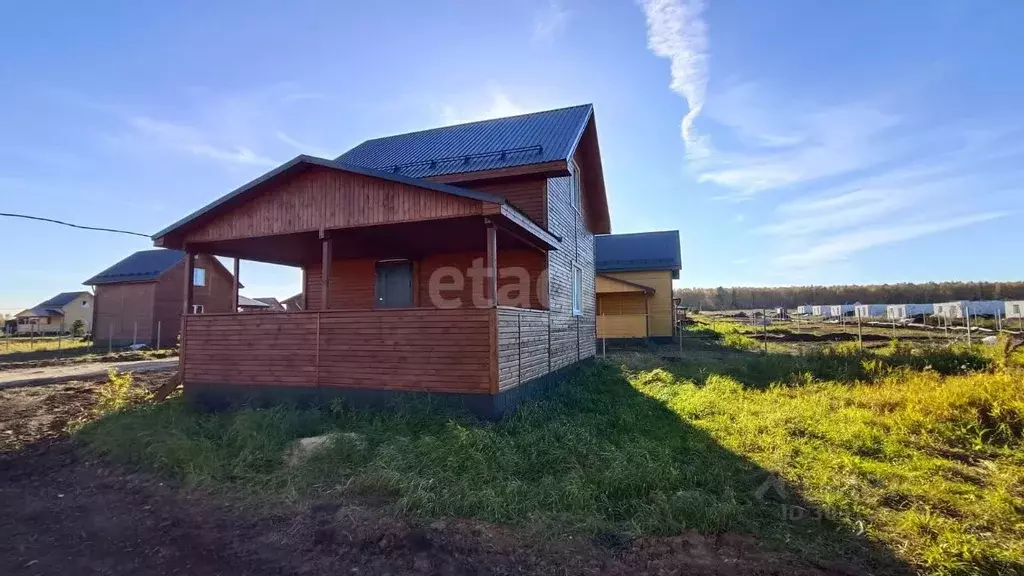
(410, 349)
(523, 350)
(352, 280)
(622, 326)
(573, 338)
(528, 195)
(321, 198)
(169, 298)
(123, 312)
(660, 302)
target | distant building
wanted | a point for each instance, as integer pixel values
(246, 304)
(869, 310)
(823, 311)
(297, 302)
(904, 311)
(805, 309)
(273, 304)
(837, 310)
(57, 314)
(1014, 309)
(959, 308)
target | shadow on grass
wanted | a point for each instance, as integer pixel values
(595, 456)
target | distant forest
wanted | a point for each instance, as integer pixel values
(742, 297)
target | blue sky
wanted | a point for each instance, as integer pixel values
(791, 142)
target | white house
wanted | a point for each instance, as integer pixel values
(904, 311)
(1014, 309)
(823, 311)
(957, 308)
(805, 309)
(869, 310)
(842, 310)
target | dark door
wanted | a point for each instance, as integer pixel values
(394, 284)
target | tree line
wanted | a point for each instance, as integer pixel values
(741, 297)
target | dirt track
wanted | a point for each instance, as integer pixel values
(65, 513)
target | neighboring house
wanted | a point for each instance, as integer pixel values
(140, 299)
(246, 304)
(959, 308)
(457, 261)
(273, 304)
(294, 303)
(869, 310)
(1014, 309)
(904, 311)
(820, 310)
(57, 314)
(805, 309)
(634, 284)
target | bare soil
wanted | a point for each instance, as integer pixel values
(63, 512)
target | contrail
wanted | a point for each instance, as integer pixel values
(675, 30)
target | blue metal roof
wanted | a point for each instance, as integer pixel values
(141, 266)
(54, 305)
(642, 251)
(486, 145)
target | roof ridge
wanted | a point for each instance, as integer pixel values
(449, 126)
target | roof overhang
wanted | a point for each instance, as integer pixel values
(614, 285)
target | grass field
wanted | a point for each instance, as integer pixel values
(20, 346)
(895, 459)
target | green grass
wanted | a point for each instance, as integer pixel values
(890, 459)
(20, 345)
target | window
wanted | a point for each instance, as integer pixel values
(577, 290)
(1016, 308)
(199, 277)
(575, 192)
(197, 308)
(85, 303)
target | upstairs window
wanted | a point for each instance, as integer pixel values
(199, 277)
(575, 192)
(85, 303)
(197, 308)
(577, 290)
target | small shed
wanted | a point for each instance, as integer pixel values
(1014, 309)
(904, 311)
(959, 308)
(838, 310)
(870, 310)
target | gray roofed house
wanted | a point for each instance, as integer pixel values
(271, 302)
(640, 251)
(246, 303)
(142, 266)
(57, 314)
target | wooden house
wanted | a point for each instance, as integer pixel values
(634, 284)
(457, 261)
(57, 314)
(246, 304)
(869, 310)
(139, 300)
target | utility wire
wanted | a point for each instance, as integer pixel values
(27, 217)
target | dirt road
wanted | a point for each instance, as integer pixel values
(50, 374)
(63, 512)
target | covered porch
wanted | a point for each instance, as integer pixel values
(406, 289)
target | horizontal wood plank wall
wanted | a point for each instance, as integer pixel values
(532, 262)
(321, 197)
(409, 349)
(272, 349)
(424, 349)
(661, 300)
(123, 308)
(352, 284)
(622, 326)
(526, 194)
(523, 352)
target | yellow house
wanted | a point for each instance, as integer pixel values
(57, 314)
(634, 284)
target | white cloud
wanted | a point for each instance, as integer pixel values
(549, 21)
(841, 246)
(498, 106)
(676, 30)
(189, 139)
(304, 147)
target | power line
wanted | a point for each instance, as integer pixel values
(41, 219)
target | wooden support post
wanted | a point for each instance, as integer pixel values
(234, 288)
(186, 309)
(325, 270)
(860, 334)
(492, 264)
(967, 322)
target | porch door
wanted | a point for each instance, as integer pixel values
(394, 284)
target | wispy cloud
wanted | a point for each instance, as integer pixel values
(498, 105)
(549, 21)
(843, 245)
(191, 140)
(677, 31)
(304, 147)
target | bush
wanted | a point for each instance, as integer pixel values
(77, 328)
(119, 392)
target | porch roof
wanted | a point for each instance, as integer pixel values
(489, 205)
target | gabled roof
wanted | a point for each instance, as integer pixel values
(246, 302)
(303, 160)
(142, 266)
(54, 305)
(272, 302)
(642, 251)
(522, 140)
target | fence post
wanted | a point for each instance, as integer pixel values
(764, 329)
(999, 321)
(60, 338)
(604, 347)
(967, 320)
(894, 328)
(110, 338)
(860, 334)
(135, 333)
(158, 322)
